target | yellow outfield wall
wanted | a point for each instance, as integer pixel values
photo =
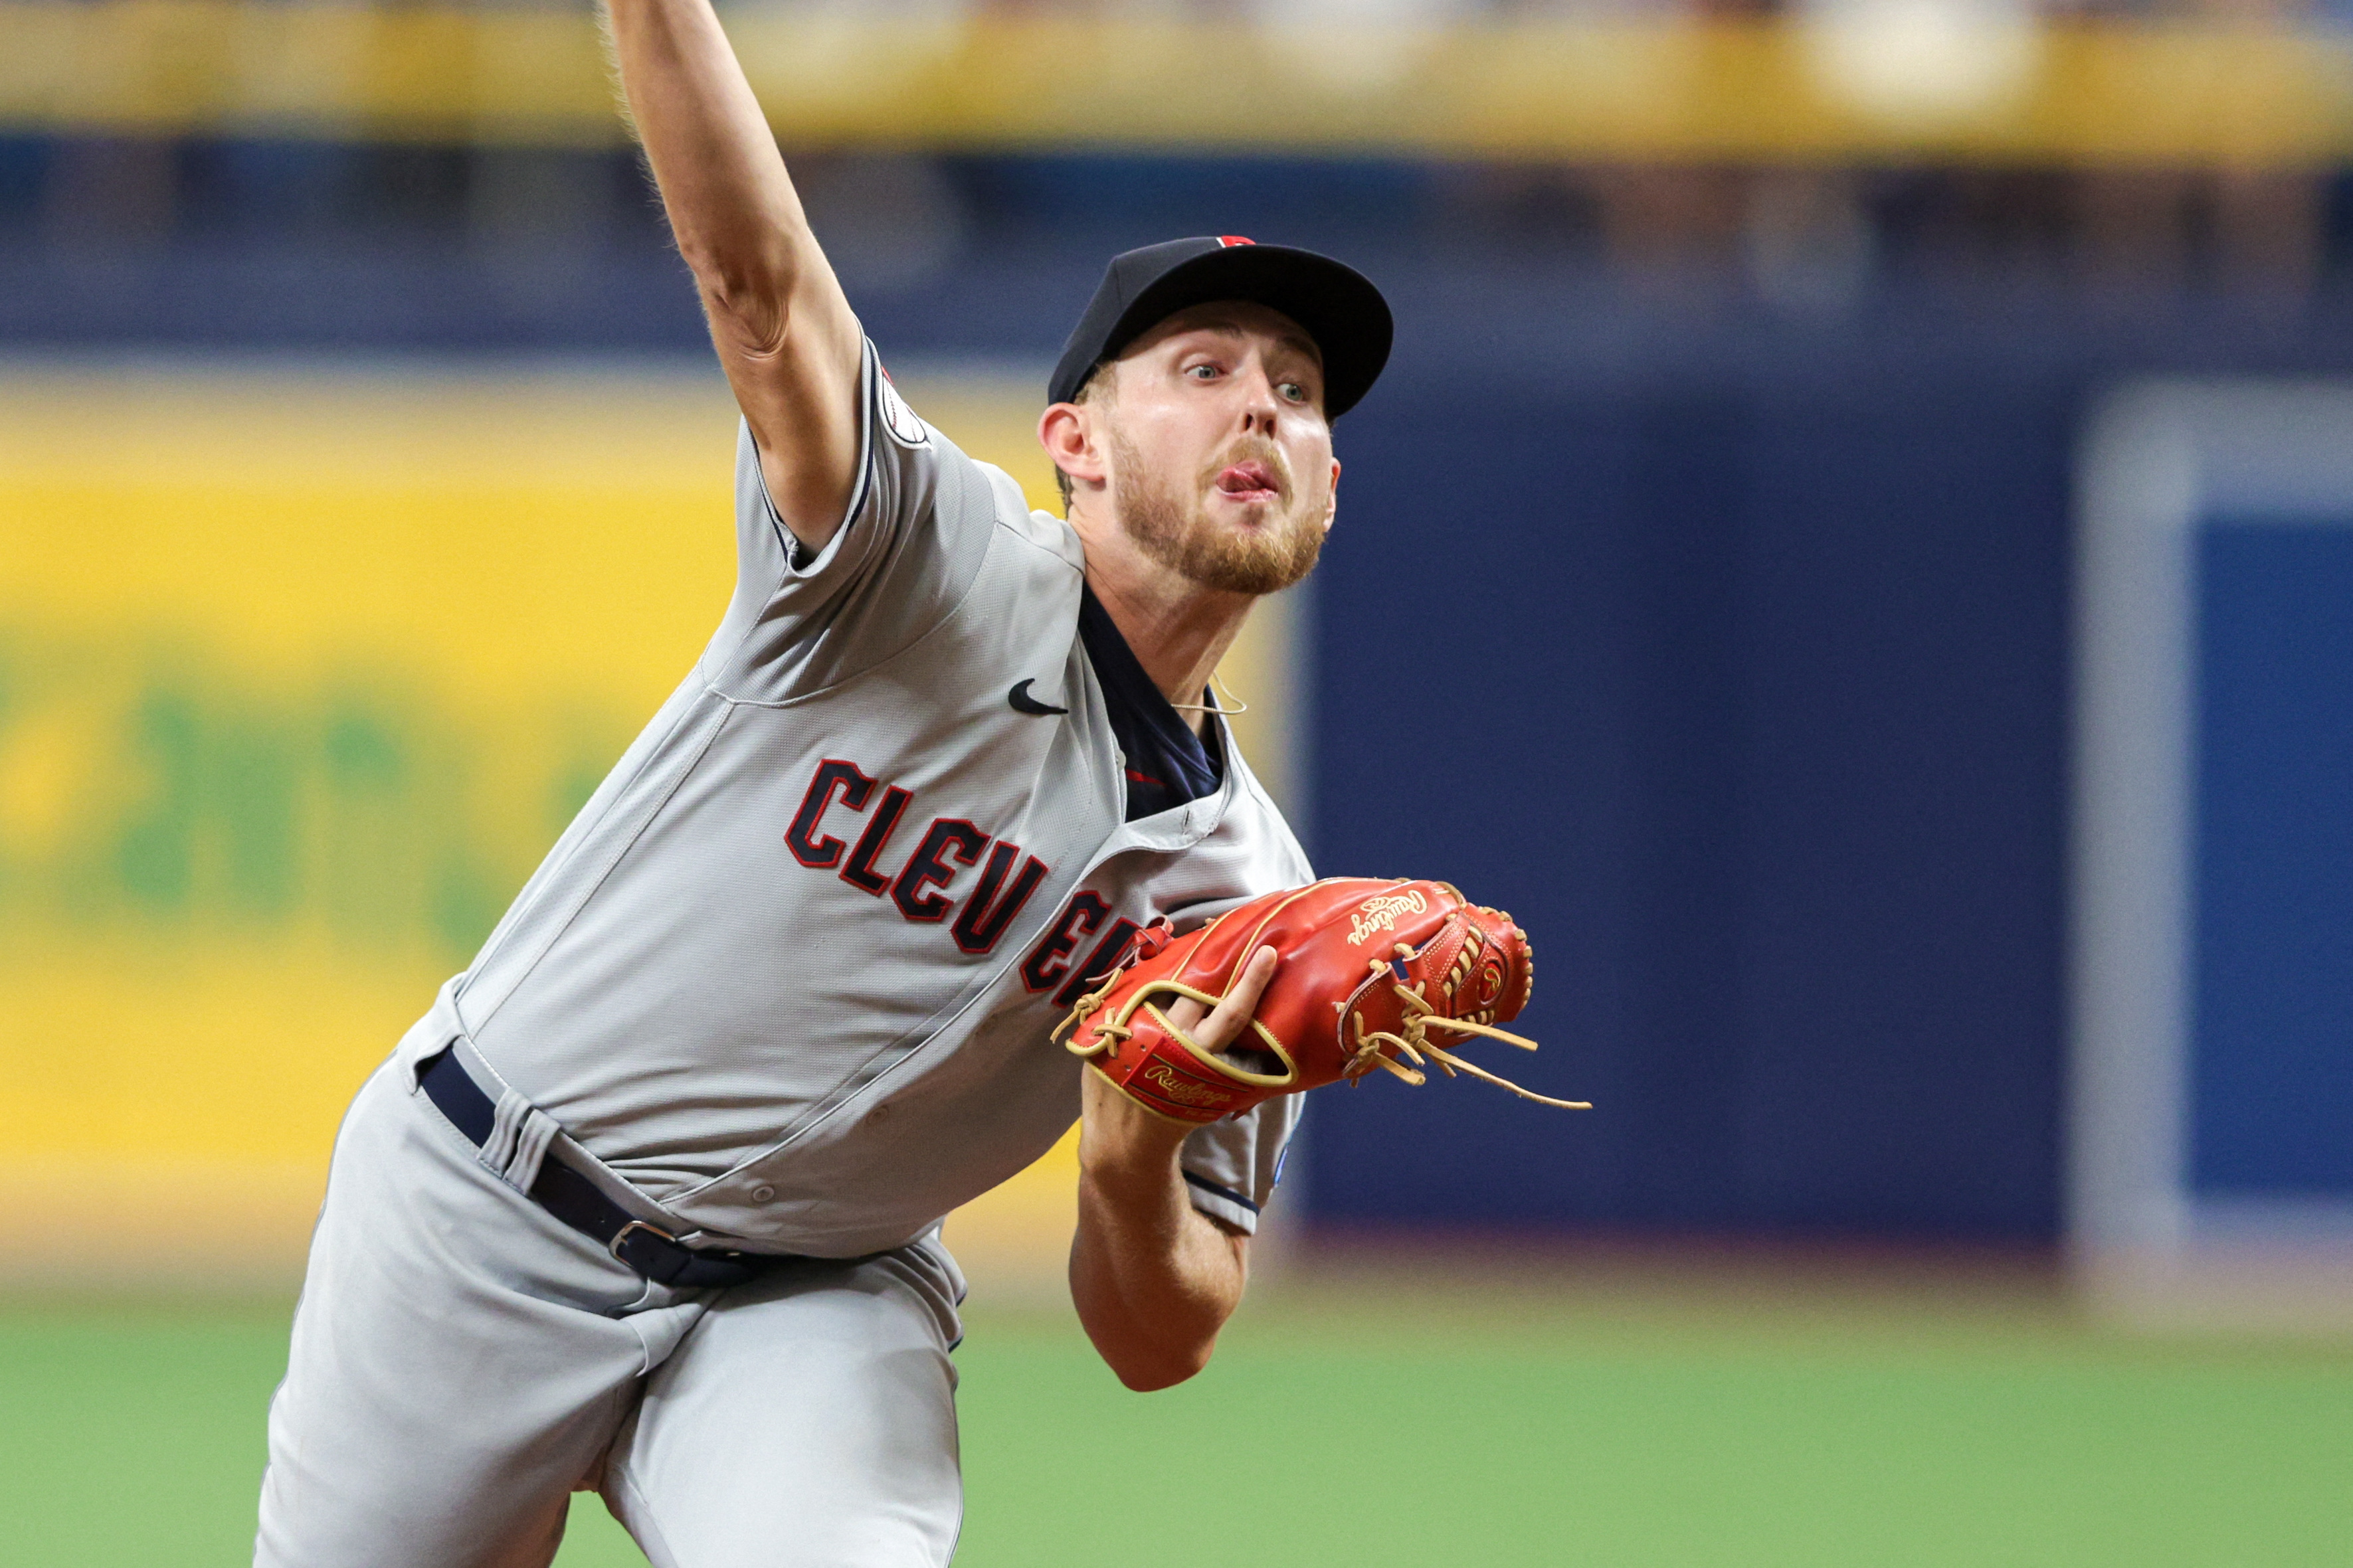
(300, 674)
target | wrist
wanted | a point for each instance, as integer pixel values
(1122, 1147)
(1139, 1158)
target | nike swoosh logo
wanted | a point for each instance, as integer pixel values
(1024, 704)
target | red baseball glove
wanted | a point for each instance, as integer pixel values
(1370, 967)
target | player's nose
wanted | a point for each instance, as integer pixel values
(1260, 405)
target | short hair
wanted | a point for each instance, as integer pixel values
(1095, 386)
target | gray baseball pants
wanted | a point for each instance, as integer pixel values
(462, 1362)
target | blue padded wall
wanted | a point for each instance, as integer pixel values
(1744, 692)
(2271, 1101)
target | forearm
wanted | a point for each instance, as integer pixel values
(738, 221)
(1154, 1280)
(785, 335)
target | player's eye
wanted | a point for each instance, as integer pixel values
(1202, 372)
(1295, 392)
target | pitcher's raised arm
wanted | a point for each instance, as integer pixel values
(784, 329)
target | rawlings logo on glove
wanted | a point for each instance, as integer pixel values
(1370, 967)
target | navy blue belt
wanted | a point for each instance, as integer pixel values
(576, 1200)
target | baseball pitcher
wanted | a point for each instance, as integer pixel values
(648, 1201)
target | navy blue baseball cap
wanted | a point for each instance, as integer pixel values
(1335, 305)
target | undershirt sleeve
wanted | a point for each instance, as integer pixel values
(1231, 1167)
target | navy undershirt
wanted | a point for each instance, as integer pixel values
(1167, 765)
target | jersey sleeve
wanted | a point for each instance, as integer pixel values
(916, 527)
(1230, 1167)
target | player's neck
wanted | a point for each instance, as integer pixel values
(1177, 629)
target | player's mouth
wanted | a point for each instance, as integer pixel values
(1251, 481)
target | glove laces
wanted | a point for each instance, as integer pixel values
(1412, 1038)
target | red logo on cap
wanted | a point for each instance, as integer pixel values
(1234, 239)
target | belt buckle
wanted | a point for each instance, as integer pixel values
(622, 1235)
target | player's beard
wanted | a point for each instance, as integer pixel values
(1173, 527)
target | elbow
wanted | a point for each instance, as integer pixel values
(749, 293)
(1161, 1369)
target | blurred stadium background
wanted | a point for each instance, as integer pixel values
(1719, 588)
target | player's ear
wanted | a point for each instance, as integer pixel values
(1067, 431)
(1332, 497)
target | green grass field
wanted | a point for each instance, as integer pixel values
(1362, 1420)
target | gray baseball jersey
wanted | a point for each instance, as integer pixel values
(790, 973)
